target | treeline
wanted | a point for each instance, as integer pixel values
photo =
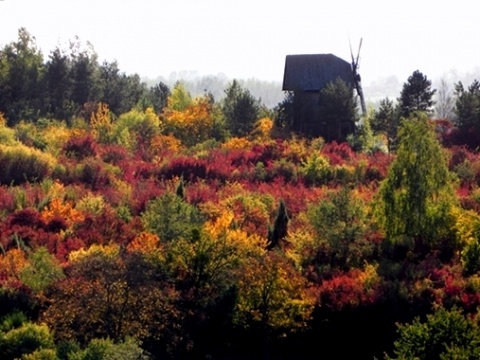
(268, 92)
(119, 241)
(70, 83)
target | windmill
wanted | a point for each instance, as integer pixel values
(357, 78)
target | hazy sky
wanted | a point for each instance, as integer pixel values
(250, 38)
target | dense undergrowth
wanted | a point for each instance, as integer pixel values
(120, 241)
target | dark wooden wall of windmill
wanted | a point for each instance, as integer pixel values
(306, 114)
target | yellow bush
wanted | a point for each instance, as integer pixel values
(466, 226)
(144, 242)
(101, 123)
(20, 163)
(3, 119)
(64, 210)
(55, 137)
(110, 251)
(263, 129)
(237, 143)
(192, 124)
(93, 204)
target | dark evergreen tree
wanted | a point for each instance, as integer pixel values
(119, 91)
(84, 74)
(111, 82)
(337, 111)
(278, 233)
(133, 90)
(416, 95)
(284, 112)
(240, 108)
(180, 191)
(157, 96)
(58, 86)
(467, 110)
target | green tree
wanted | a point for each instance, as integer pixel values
(171, 217)
(416, 95)
(386, 120)
(180, 98)
(21, 72)
(84, 74)
(273, 299)
(417, 194)
(158, 95)
(467, 109)
(58, 86)
(136, 127)
(340, 222)
(106, 349)
(240, 109)
(445, 334)
(42, 271)
(23, 339)
(337, 111)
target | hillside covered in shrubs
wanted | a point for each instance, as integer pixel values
(200, 229)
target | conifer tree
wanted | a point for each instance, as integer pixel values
(278, 233)
(416, 95)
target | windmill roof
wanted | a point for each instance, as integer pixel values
(311, 72)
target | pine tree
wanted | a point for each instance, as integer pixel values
(416, 95)
(278, 233)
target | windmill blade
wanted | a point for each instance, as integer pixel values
(358, 53)
(351, 51)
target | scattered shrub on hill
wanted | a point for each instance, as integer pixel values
(7, 135)
(136, 128)
(316, 170)
(21, 164)
(81, 146)
(171, 217)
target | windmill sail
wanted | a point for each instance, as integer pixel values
(357, 79)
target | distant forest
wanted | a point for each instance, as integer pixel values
(64, 82)
(268, 92)
(58, 83)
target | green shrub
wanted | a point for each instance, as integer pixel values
(22, 164)
(106, 349)
(28, 338)
(445, 334)
(316, 170)
(7, 136)
(171, 217)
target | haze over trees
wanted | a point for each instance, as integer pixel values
(145, 222)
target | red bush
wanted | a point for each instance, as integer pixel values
(81, 146)
(338, 153)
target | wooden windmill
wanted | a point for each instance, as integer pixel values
(357, 81)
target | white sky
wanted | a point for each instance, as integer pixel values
(250, 38)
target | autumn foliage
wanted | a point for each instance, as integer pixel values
(181, 232)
